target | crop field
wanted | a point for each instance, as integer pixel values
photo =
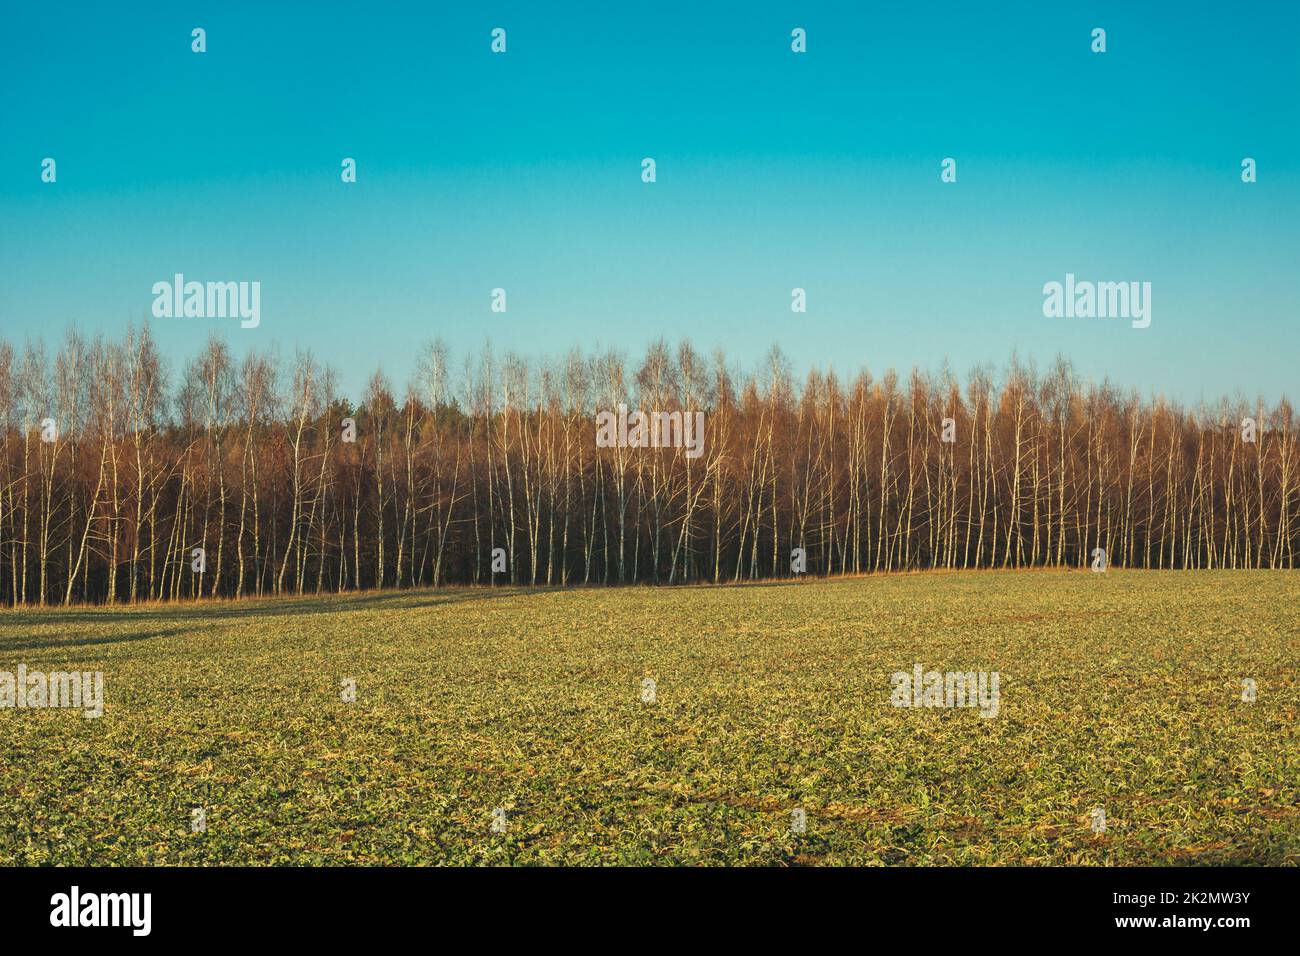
(674, 726)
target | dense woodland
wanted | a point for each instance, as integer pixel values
(150, 459)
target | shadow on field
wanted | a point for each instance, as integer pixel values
(38, 644)
(253, 608)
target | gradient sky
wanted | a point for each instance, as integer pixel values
(775, 170)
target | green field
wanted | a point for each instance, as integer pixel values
(1121, 691)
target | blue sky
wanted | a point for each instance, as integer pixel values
(775, 170)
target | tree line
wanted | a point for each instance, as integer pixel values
(123, 479)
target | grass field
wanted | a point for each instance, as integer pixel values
(1121, 691)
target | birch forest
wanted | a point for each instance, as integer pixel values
(121, 466)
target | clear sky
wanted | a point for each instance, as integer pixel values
(775, 170)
